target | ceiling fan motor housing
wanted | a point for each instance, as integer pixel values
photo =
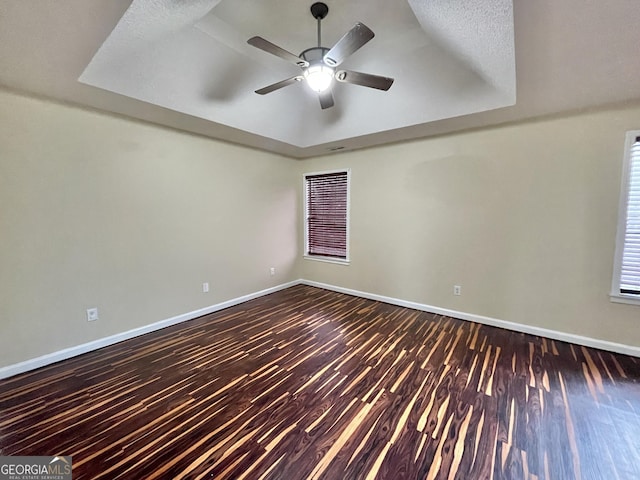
(314, 54)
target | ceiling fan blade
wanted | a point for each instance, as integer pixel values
(278, 85)
(273, 49)
(349, 43)
(364, 79)
(326, 99)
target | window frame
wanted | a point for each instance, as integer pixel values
(305, 189)
(616, 295)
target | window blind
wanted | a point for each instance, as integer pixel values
(630, 271)
(327, 214)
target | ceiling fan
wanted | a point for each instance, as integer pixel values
(319, 63)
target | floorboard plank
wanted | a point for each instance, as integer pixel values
(311, 384)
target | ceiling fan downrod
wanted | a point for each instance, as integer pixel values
(319, 10)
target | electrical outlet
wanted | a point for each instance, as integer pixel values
(205, 287)
(92, 314)
(457, 290)
(272, 271)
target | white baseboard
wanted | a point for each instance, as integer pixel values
(44, 360)
(518, 327)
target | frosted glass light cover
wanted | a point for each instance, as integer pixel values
(319, 77)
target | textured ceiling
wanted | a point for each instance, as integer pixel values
(186, 64)
(447, 61)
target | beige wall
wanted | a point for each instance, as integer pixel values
(130, 218)
(101, 211)
(523, 217)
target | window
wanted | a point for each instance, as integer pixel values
(326, 216)
(626, 276)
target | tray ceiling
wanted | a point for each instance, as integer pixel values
(447, 61)
(187, 65)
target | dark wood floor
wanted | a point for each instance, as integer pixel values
(310, 384)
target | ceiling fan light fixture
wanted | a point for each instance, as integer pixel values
(319, 77)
